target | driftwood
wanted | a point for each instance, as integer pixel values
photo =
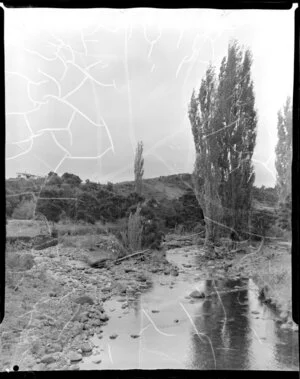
(132, 255)
(45, 245)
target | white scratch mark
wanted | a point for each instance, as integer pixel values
(199, 333)
(156, 328)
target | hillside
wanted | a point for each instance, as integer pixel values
(164, 187)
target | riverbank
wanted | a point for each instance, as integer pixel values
(57, 304)
(271, 271)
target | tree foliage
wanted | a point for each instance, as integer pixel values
(223, 122)
(139, 168)
(283, 150)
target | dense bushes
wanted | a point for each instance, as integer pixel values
(67, 198)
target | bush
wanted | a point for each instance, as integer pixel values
(24, 211)
(261, 222)
(131, 237)
(19, 262)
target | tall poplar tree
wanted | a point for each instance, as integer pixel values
(283, 150)
(237, 115)
(139, 168)
(223, 120)
(206, 175)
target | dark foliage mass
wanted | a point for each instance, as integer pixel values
(67, 197)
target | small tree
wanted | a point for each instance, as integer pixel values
(139, 168)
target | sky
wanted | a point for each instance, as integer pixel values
(83, 86)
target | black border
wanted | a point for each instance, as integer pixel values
(237, 4)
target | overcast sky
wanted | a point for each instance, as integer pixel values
(84, 86)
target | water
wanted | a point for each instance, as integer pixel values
(231, 329)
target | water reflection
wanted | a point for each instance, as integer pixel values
(236, 331)
(221, 320)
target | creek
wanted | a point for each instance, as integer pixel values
(228, 329)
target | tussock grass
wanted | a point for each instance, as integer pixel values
(131, 235)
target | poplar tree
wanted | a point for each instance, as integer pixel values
(139, 168)
(206, 175)
(283, 162)
(223, 121)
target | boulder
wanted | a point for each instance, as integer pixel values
(86, 348)
(84, 300)
(48, 359)
(104, 317)
(75, 357)
(197, 294)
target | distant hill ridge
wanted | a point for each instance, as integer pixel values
(163, 187)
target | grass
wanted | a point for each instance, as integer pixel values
(31, 228)
(20, 228)
(271, 270)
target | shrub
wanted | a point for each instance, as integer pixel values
(24, 211)
(19, 262)
(131, 237)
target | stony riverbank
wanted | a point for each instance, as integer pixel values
(55, 307)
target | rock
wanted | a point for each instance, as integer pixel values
(53, 348)
(104, 317)
(96, 323)
(48, 359)
(125, 305)
(84, 300)
(86, 348)
(155, 311)
(75, 357)
(113, 336)
(134, 335)
(97, 360)
(176, 321)
(197, 294)
(255, 312)
(142, 278)
(174, 272)
(74, 368)
(127, 270)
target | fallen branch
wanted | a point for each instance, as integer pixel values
(132, 255)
